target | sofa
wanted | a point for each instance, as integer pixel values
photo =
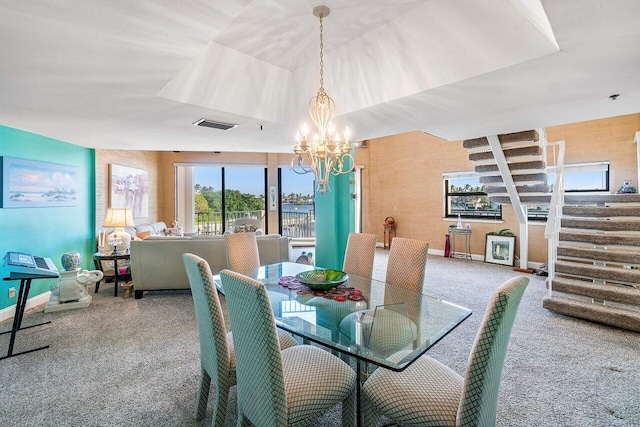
(156, 261)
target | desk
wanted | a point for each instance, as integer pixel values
(466, 233)
(23, 295)
(99, 258)
(318, 319)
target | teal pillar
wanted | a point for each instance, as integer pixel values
(334, 221)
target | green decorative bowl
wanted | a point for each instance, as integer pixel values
(322, 280)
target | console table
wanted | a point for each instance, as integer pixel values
(466, 252)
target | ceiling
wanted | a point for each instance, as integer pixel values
(117, 74)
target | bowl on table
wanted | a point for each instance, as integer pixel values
(321, 279)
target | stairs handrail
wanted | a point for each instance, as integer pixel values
(554, 218)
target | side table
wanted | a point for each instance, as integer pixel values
(466, 232)
(98, 258)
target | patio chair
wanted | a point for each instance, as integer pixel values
(428, 393)
(288, 387)
(217, 355)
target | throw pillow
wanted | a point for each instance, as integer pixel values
(143, 234)
(174, 231)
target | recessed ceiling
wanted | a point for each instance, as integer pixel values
(136, 75)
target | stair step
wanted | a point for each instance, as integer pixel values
(534, 178)
(605, 255)
(613, 316)
(584, 199)
(601, 211)
(601, 225)
(600, 239)
(529, 136)
(530, 151)
(521, 189)
(513, 167)
(530, 200)
(606, 292)
(589, 271)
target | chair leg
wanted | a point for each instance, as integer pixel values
(220, 407)
(203, 394)
(349, 411)
(242, 421)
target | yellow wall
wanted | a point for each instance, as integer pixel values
(403, 179)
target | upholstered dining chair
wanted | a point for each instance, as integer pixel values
(428, 393)
(242, 251)
(288, 387)
(358, 258)
(407, 262)
(217, 355)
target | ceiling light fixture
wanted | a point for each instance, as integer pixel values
(325, 154)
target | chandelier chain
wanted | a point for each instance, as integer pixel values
(321, 58)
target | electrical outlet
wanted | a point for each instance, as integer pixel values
(12, 293)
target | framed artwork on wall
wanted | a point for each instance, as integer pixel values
(500, 249)
(33, 184)
(129, 188)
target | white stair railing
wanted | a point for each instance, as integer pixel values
(552, 230)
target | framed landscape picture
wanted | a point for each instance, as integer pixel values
(32, 184)
(129, 188)
(500, 249)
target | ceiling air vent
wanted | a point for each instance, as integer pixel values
(216, 125)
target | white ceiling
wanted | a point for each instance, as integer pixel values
(123, 74)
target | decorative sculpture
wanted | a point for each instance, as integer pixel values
(626, 188)
(71, 290)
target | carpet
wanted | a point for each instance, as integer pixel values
(127, 362)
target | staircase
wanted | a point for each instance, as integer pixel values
(596, 275)
(525, 158)
(594, 249)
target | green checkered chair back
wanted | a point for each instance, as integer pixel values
(278, 388)
(242, 251)
(406, 264)
(428, 393)
(215, 356)
(358, 258)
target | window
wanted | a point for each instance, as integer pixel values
(578, 178)
(464, 197)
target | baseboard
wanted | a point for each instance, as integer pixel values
(9, 312)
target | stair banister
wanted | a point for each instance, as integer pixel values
(521, 211)
(552, 229)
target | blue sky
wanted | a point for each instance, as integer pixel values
(251, 179)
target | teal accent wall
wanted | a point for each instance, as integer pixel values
(334, 221)
(48, 231)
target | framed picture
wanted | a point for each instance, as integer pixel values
(32, 184)
(500, 249)
(129, 188)
(273, 205)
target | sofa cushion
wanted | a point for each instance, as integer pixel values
(143, 234)
(156, 228)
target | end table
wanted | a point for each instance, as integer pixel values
(98, 258)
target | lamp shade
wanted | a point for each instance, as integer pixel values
(118, 217)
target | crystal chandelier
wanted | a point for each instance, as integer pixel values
(325, 154)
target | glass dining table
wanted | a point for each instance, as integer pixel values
(370, 320)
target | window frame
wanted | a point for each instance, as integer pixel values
(447, 177)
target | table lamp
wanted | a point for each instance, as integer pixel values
(119, 240)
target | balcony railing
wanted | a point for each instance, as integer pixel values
(294, 224)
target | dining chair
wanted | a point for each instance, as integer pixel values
(288, 387)
(217, 355)
(429, 393)
(359, 255)
(242, 251)
(407, 262)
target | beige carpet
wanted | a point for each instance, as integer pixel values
(127, 362)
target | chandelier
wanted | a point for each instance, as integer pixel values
(325, 154)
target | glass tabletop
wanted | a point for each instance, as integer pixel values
(368, 319)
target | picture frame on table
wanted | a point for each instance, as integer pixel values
(500, 250)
